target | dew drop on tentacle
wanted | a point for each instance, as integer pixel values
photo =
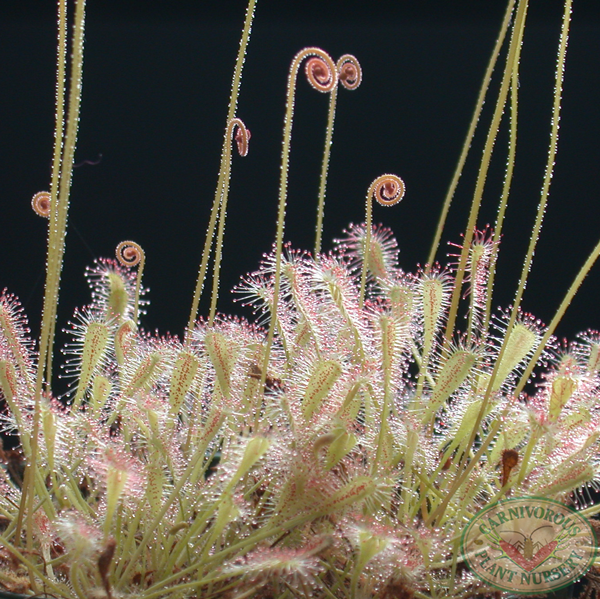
(129, 253)
(349, 71)
(388, 190)
(41, 203)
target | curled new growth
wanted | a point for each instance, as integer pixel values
(388, 190)
(129, 253)
(349, 75)
(241, 138)
(320, 71)
(242, 135)
(349, 71)
(41, 203)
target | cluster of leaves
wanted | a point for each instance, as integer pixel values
(342, 461)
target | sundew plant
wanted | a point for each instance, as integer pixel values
(336, 440)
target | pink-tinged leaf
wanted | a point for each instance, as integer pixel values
(563, 388)
(358, 489)
(322, 380)
(155, 482)
(211, 426)
(434, 298)
(223, 355)
(339, 448)
(145, 374)
(521, 342)
(94, 349)
(15, 335)
(566, 477)
(101, 388)
(255, 449)
(452, 376)
(182, 377)
(594, 358)
(124, 341)
(352, 403)
(9, 388)
(118, 298)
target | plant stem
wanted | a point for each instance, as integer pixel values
(470, 135)
(512, 60)
(233, 99)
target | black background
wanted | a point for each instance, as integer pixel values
(156, 86)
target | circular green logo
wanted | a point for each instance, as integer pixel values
(528, 545)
